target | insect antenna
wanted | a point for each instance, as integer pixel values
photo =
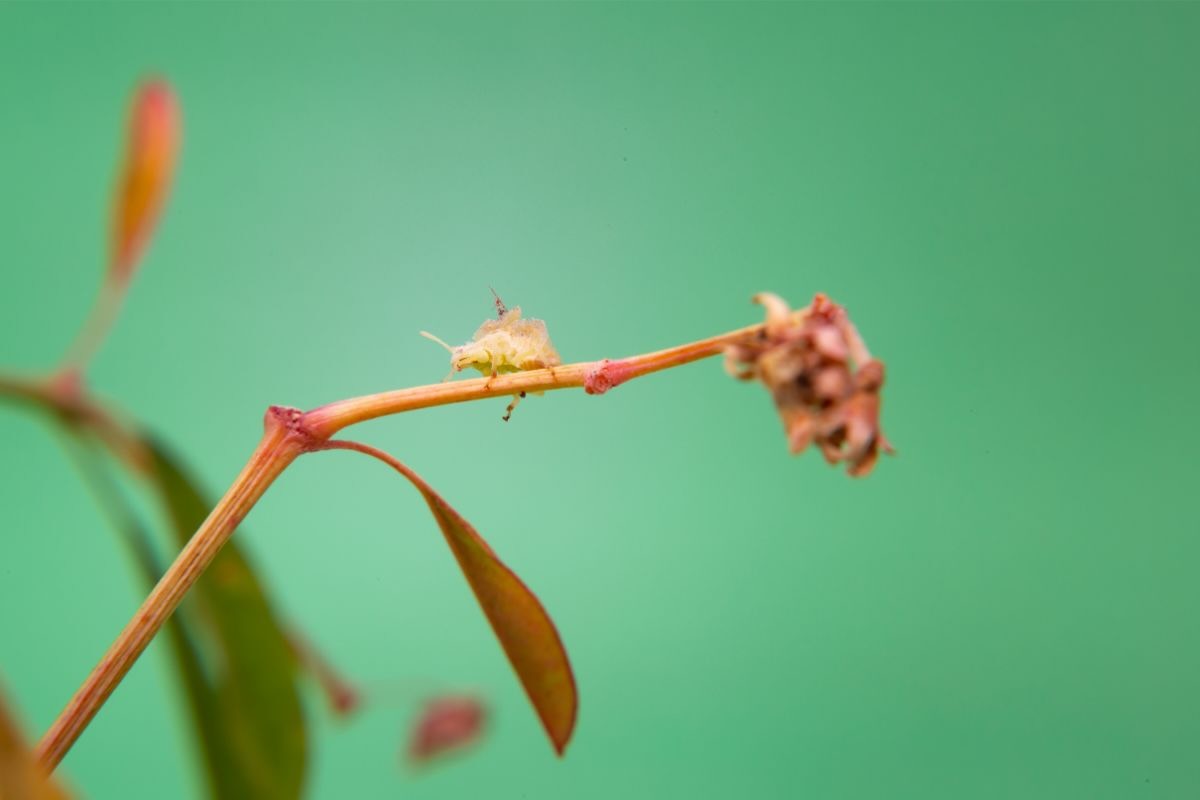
(501, 309)
(453, 367)
(433, 338)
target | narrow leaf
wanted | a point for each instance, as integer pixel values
(255, 701)
(525, 630)
(221, 766)
(151, 147)
(21, 776)
(199, 694)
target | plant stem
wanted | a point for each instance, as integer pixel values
(327, 420)
(26, 389)
(99, 322)
(278, 448)
(289, 434)
(63, 394)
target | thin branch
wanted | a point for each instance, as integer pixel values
(63, 395)
(595, 377)
(96, 327)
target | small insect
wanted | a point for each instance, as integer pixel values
(509, 343)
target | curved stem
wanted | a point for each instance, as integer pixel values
(376, 453)
(27, 389)
(95, 329)
(63, 394)
(328, 419)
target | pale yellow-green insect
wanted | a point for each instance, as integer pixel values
(507, 344)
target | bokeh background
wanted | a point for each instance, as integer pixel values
(1006, 198)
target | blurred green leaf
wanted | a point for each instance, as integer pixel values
(229, 772)
(249, 699)
(238, 670)
(245, 752)
(21, 777)
(199, 694)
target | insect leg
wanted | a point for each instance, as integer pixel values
(508, 411)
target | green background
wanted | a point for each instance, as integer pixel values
(1005, 197)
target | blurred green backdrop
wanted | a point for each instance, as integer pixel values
(1005, 196)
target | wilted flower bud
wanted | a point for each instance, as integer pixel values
(824, 382)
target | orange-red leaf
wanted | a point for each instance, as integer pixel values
(21, 777)
(525, 630)
(153, 141)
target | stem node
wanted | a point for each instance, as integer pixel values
(607, 374)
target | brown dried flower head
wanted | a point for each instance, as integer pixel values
(822, 378)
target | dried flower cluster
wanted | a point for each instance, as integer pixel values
(822, 378)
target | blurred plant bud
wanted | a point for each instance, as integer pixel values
(447, 724)
(145, 178)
